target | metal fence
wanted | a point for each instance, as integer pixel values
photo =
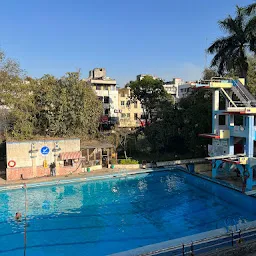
(201, 247)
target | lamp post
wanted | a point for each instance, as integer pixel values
(56, 151)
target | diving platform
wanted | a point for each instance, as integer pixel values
(233, 159)
(215, 82)
(231, 135)
(209, 135)
(241, 111)
(225, 157)
(222, 134)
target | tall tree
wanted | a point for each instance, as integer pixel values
(208, 73)
(251, 79)
(231, 51)
(66, 106)
(17, 99)
(250, 9)
(150, 93)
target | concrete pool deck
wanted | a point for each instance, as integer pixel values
(96, 173)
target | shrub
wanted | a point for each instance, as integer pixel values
(129, 161)
(113, 161)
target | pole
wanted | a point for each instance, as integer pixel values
(25, 221)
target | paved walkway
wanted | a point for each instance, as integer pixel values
(100, 172)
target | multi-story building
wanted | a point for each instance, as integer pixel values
(184, 90)
(129, 112)
(141, 76)
(178, 88)
(106, 90)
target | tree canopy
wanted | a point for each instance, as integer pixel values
(47, 106)
(150, 93)
(66, 106)
(231, 51)
(251, 77)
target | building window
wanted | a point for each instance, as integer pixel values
(106, 87)
(106, 111)
(106, 99)
(128, 115)
(123, 115)
(68, 162)
(98, 87)
(135, 116)
(122, 103)
(135, 104)
(222, 120)
(122, 94)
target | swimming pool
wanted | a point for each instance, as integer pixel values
(112, 215)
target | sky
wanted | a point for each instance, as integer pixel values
(166, 38)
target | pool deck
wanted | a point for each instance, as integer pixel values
(101, 172)
(232, 180)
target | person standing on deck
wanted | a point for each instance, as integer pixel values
(53, 169)
(246, 175)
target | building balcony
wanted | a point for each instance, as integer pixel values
(103, 81)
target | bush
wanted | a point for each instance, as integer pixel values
(113, 161)
(129, 161)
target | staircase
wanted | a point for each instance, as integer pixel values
(243, 94)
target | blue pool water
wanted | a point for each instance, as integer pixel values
(107, 216)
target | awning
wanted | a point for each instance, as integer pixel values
(70, 155)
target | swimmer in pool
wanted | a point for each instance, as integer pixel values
(18, 216)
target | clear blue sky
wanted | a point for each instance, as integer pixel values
(166, 38)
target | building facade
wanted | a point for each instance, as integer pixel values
(141, 76)
(129, 112)
(31, 159)
(106, 90)
(178, 88)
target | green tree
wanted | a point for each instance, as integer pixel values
(196, 114)
(250, 9)
(251, 78)
(17, 99)
(208, 73)
(66, 107)
(231, 51)
(150, 93)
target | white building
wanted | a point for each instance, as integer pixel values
(141, 76)
(184, 90)
(105, 88)
(178, 88)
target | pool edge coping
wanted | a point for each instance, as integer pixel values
(83, 179)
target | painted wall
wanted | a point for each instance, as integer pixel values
(127, 111)
(29, 159)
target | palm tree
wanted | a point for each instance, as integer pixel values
(231, 51)
(250, 9)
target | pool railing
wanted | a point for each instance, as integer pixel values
(207, 245)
